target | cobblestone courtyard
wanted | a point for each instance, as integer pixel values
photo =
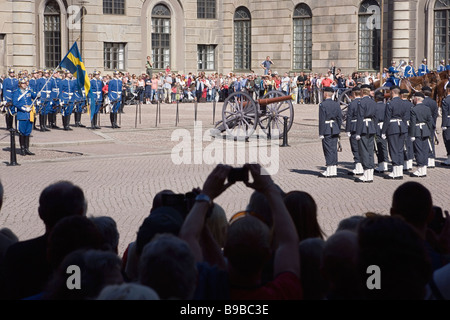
(120, 170)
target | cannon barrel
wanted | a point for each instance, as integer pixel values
(265, 102)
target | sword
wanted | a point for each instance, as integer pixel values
(339, 144)
(436, 140)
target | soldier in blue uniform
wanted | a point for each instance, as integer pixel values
(441, 66)
(419, 132)
(96, 98)
(366, 128)
(447, 67)
(55, 79)
(350, 129)
(393, 79)
(45, 89)
(330, 121)
(395, 130)
(409, 70)
(382, 148)
(423, 69)
(25, 115)
(445, 106)
(432, 104)
(67, 99)
(115, 97)
(10, 84)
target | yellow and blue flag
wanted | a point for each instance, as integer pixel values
(73, 62)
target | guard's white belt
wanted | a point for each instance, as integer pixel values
(367, 120)
(396, 120)
(8, 90)
(420, 125)
(354, 120)
(330, 122)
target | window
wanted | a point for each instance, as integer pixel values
(441, 31)
(206, 9)
(206, 54)
(114, 6)
(369, 27)
(52, 34)
(242, 39)
(114, 56)
(161, 36)
(302, 46)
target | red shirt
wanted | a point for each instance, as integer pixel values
(327, 82)
(286, 286)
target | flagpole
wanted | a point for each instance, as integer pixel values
(53, 73)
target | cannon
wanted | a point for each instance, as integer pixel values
(241, 114)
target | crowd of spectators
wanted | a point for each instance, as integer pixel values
(171, 87)
(274, 249)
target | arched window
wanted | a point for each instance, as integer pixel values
(441, 29)
(161, 36)
(302, 46)
(369, 27)
(52, 34)
(242, 39)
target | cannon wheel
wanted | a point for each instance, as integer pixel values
(239, 115)
(344, 101)
(275, 112)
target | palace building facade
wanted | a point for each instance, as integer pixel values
(224, 35)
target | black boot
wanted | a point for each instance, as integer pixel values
(41, 123)
(111, 117)
(76, 119)
(66, 123)
(22, 145)
(27, 146)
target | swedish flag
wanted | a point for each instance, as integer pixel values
(72, 62)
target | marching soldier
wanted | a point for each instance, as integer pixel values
(96, 98)
(330, 121)
(447, 67)
(409, 70)
(45, 88)
(420, 131)
(432, 104)
(25, 115)
(381, 144)
(10, 84)
(395, 129)
(408, 151)
(423, 69)
(445, 106)
(115, 97)
(67, 99)
(350, 129)
(365, 133)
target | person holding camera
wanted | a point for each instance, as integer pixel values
(248, 246)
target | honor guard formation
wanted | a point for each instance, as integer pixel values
(34, 101)
(396, 125)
